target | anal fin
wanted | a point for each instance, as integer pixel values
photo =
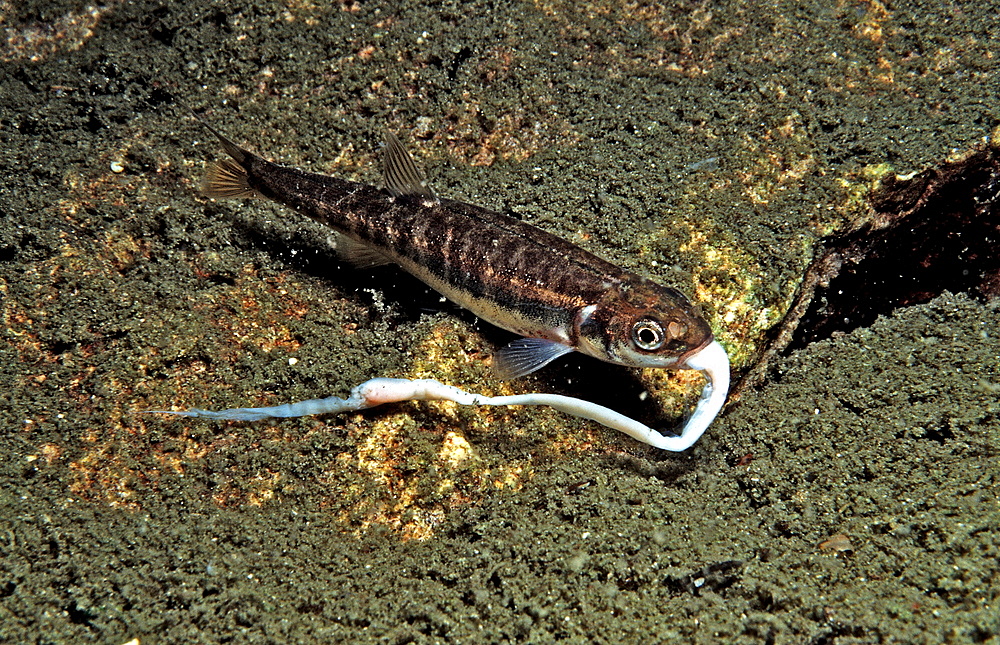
(358, 254)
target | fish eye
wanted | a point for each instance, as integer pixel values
(648, 335)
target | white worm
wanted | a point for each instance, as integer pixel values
(712, 361)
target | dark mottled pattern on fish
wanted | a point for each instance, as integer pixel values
(478, 251)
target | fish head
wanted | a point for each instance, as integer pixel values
(642, 324)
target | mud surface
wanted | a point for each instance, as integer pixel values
(852, 498)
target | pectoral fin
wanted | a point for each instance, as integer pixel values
(525, 355)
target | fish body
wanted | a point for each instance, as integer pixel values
(554, 294)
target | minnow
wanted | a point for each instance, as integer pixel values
(558, 297)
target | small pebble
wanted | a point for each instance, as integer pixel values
(839, 542)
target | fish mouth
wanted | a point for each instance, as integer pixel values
(681, 362)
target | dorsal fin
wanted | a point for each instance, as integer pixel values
(402, 177)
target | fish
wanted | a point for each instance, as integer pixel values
(554, 295)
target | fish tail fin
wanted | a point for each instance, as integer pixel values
(226, 179)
